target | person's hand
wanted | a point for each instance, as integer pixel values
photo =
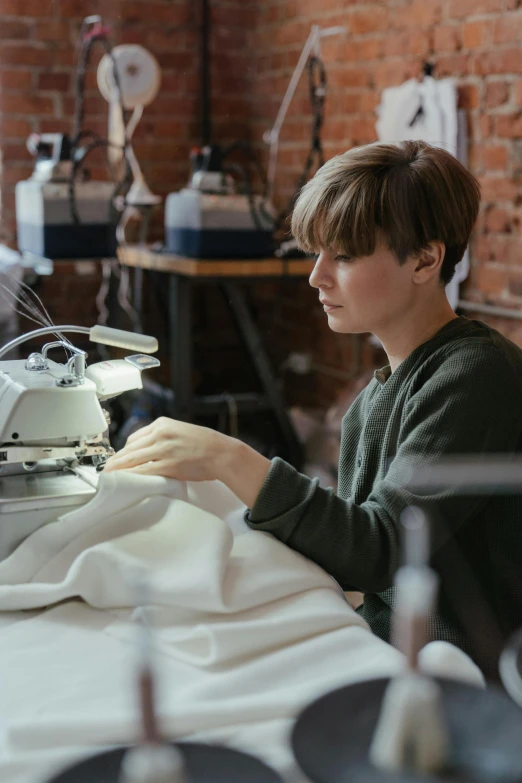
(176, 450)
(187, 452)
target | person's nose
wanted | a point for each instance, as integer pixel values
(321, 276)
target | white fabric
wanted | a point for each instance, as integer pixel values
(247, 631)
(438, 125)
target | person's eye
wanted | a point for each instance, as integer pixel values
(343, 258)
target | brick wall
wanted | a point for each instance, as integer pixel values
(476, 41)
(256, 45)
(37, 65)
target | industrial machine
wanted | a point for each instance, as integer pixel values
(211, 219)
(58, 216)
(52, 427)
(60, 213)
(218, 215)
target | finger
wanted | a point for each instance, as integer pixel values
(137, 457)
(156, 468)
(142, 443)
(142, 432)
(158, 425)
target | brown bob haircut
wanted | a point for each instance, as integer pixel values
(408, 194)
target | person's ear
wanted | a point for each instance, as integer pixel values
(429, 262)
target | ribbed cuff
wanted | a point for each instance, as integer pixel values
(283, 490)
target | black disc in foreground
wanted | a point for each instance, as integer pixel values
(332, 736)
(204, 764)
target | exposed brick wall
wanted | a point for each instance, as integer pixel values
(37, 66)
(476, 41)
(37, 81)
(256, 46)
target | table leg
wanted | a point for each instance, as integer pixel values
(252, 339)
(137, 300)
(180, 346)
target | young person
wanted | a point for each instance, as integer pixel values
(389, 224)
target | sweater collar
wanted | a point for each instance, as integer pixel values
(453, 326)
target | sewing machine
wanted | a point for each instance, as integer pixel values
(53, 430)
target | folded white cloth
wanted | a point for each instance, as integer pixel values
(247, 631)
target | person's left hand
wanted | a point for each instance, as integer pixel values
(175, 449)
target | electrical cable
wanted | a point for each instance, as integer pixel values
(87, 40)
(241, 170)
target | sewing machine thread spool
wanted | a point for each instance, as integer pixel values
(416, 588)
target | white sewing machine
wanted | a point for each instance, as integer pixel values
(53, 428)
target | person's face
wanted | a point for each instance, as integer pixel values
(367, 294)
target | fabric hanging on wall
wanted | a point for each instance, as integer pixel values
(427, 110)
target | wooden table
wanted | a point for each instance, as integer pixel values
(183, 273)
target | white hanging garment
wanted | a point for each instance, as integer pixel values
(427, 110)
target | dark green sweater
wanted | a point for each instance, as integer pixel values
(458, 393)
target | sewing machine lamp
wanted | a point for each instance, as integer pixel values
(137, 84)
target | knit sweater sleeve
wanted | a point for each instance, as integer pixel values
(469, 405)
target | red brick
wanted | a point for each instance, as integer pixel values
(53, 30)
(30, 8)
(26, 54)
(474, 34)
(388, 74)
(93, 105)
(369, 48)
(515, 283)
(463, 8)
(368, 20)
(507, 29)
(16, 151)
(481, 248)
(54, 81)
(497, 220)
(498, 61)
(362, 130)
(485, 125)
(518, 93)
(161, 13)
(60, 125)
(395, 43)
(447, 38)
(25, 104)
(348, 77)
(497, 93)
(13, 173)
(290, 34)
(453, 65)
(420, 44)
(70, 9)
(511, 249)
(176, 60)
(498, 188)
(14, 128)
(417, 14)
(468, 96)
(14, 30)
(491, 279)
(16, 80)
(369, 100)
(509, 126)
(495, 157)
